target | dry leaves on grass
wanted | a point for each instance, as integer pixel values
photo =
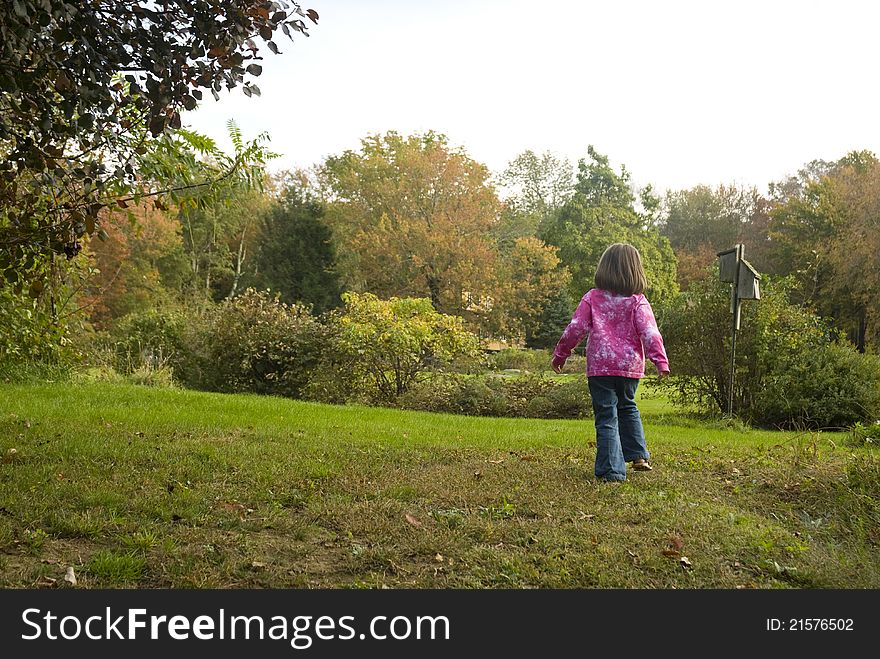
(675, 544)
(413, 521)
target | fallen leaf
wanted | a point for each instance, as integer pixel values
(46, 582)
(69, 576)
(49, 561)
(676, 542)
(528, 458)
(685, 562)
(413, 521)
(670, 553)
(257, 565)
(478, 474)
(495, 462)
(438, 557)
(10, 455)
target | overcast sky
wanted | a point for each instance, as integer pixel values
(683, 93)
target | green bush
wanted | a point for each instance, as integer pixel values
(252, 343)
(531, 360)
(790, 369)
(28, 332)
(864, 434)
(153, 338)
(569, 400)
(382, 346)
(521, 360)
(829, 385)
(489, 395)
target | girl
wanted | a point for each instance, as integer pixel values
(621, 328)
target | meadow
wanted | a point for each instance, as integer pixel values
(141, 487)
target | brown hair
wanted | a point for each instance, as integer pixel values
(620, 270)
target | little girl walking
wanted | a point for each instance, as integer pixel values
(621, 327)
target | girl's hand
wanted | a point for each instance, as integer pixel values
(557, 368)
(662, 375)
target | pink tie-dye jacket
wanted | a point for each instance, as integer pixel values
(621, 330)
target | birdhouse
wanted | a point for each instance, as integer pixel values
(727, 261)
(747, 287)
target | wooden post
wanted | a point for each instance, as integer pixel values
(735, 304)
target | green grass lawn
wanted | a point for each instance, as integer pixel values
(141, 487)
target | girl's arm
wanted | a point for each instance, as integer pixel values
(581, 324)
(646, 326)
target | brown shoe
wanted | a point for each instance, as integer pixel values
(642, 465)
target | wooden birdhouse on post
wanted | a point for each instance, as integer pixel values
(744, 281)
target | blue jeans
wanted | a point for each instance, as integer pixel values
(620, 437)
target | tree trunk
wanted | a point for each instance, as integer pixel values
(236, 277)
(863, 326)
(434, 290)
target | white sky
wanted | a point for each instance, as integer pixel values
(681, 92)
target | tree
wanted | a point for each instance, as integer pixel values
(537, 186)
(826, 234)
(702, 221)
(85, 86)
(218, 222)
(603, 211)
(534, 279)
(414, 216)
(129, 263)
(296, 256)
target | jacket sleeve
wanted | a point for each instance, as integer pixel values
(580, 326)
(646, 326)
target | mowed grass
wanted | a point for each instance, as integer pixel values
(158, 488)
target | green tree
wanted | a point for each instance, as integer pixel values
(702, 221)
(218, 221)
(603, 211)
(84, 88)
(825, 233)
(296, 255)
(537, 187)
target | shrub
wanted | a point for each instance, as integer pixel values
(149, 339)
(28, 332)
(829, 385)
(531, 361)
(790, 369)
(384, 345)
(533, 397)
(569, 400)
(521, 360)
(478, 397)
(864, 434)
(253, 343)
